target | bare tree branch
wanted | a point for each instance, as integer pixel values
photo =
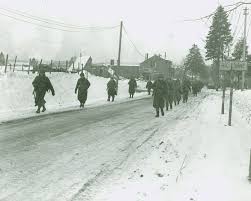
(236, 5)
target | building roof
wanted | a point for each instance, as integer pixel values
(115, 65)
(156, 57)
(82, 60)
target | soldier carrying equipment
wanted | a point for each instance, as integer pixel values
(169, 93)
(41, 85)
(111, 89)
(159, 88)
(132, 87)
(82, 87)
(149, 86)
(177, 92)
(185, 89)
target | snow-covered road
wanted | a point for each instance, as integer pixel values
(122, 152)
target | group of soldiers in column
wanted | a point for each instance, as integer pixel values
(42, 85)
(168, 92)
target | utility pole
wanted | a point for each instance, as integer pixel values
(6, 64)
(249, 177)
(80, 59)
(244, 47)
(15, 64)
(119, 54)
(231, 97)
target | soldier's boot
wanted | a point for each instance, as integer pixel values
(44, 109)
(167, 107)
(157, 113)
(132, 95)
(162, 112)
(113, 99)
(108, 99)
(38, 110)
(171, 106)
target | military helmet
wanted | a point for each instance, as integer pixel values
(41, 71)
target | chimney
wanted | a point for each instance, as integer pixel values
(146, 56)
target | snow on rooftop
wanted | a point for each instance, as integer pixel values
(79, 61)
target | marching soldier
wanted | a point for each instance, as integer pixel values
(149, 86)
(185, 89)
(177, 91)
(41, 85)
(132, 87)
(111, 89)
(195, 87)
(169, 94)
(159, 88)
(82, 87)
(167, 91)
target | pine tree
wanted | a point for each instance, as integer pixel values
(218, 38)
(238, 50)
(194, 61)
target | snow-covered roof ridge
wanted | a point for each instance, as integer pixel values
(81, 61)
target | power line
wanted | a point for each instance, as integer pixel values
(239, 31)
(52, 22)
(236, 5)
(238, 20)
(232, 15)
(50, 27)
(57, 28)
(133, 43)
(249, 27)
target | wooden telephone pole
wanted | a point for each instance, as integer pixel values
(119, 54)
(244, 47)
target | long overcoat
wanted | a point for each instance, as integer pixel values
(82, 86)
(159, 92)
(41, 85)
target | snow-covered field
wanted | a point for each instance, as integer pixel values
(242, 100)
(17, 100)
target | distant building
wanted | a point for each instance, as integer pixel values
(124, 70)
(127, 70)
(155, 65)
(100, 70)
(79, 63)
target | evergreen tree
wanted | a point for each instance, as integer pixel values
(194, 61)
(238, 50)
(218, 39)
(205, 73)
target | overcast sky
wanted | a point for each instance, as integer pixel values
(155, 26)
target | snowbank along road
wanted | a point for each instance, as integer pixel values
(122, 152)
